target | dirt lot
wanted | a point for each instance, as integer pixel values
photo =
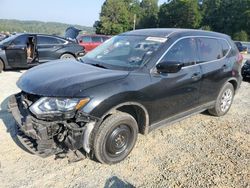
(202, 151)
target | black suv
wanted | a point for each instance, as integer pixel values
(133, 83)
(27, 50)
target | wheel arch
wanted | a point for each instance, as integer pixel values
(67, 53)
(4, 64)
(234, 82)
(135, 109)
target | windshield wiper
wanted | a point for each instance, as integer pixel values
(97, 65)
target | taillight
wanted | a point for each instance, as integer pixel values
(240, 58)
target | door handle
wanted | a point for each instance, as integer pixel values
(224, 66)
(196, 76)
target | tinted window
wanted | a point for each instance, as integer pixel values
(47, 40)
(183, 51)
(209, 49)
(60, 41)
(96, 39)
(86, 39)
(105, 38)
(21, 40)
(225, 47)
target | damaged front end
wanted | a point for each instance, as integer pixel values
(51, 133)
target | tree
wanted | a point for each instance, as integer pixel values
(241, 36)
(114, 18)
(180, 14)
(149, 14)
(227, 16)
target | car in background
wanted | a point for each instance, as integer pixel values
(89, 42)
(247, 44)
(26, 50)
(245, 71)
(242, 49)
(2, 37)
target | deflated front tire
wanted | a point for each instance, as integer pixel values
(115, 138)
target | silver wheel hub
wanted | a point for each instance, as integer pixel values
(226, 100)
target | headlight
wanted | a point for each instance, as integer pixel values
(48, 105)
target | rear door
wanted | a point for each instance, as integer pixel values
(173, 93)
(16, 52)
(48, 46)
(215, 66)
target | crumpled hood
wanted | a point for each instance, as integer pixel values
(65, 78)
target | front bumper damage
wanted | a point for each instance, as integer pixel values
(49, 137)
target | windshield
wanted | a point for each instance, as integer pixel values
(124, 52)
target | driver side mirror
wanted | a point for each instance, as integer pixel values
(169, 67)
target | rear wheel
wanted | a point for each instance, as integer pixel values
(1, 66)
(223, 101)
(67, 56)
(115, 138)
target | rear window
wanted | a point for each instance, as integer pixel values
(225, 46)
(86, 39)
(209, 49)
(96, 39)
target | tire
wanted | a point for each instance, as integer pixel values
(223, 101)
(115, 138)
(1, 66)
(67, 56)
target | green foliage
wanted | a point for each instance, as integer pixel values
(114, 18)
(148, 14)
(206, 28)
(227, 16)
(180, 14)
(38, 27)
(241, 36)
(118, 16)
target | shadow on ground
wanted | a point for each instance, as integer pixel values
(115, 182)
(10, 123)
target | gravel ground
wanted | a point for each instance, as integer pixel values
(202, 151)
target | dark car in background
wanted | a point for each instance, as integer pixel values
(27, 50)
(247, 44)
(134, 83)
(245, 71)
(242, 48)
(90, 42)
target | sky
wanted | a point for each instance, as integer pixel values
(82, 12)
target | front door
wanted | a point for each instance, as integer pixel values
(16, 52)
(173, 93)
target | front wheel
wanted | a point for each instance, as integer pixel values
(223, 101)
(115, 138)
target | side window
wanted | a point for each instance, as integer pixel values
(225, 47)
(47, 40)
(60, 41)
(21, 40)
(209, 49)
(96, 39)
(183, 51)
(86, 39)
